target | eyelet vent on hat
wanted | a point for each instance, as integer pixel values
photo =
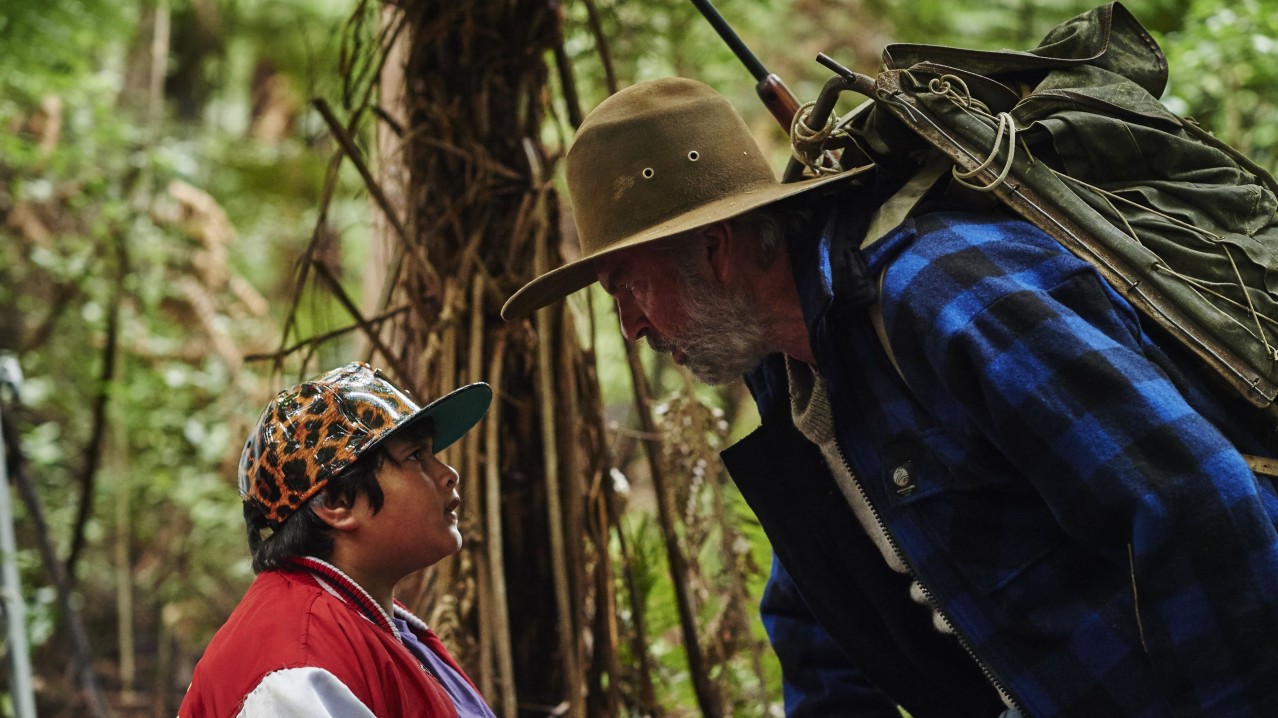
(649, 122)
(693, 156)
(648, 173)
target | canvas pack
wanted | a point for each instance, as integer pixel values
(1072, 137)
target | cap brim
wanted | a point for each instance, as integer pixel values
(454, 414)
(562, 281)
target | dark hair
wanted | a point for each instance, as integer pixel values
(304, 533)
(773, 223)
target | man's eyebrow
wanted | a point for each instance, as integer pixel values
(608, 281)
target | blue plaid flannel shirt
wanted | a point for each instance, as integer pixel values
(1093, 538)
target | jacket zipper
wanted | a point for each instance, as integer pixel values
(431, 672)
(963, 641)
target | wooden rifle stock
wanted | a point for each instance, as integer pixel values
(778, 99)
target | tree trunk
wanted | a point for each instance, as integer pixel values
(479, 216)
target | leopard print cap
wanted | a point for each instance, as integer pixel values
(309, 433)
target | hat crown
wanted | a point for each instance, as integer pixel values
(654, 152)
(653, 161)
(311, 432)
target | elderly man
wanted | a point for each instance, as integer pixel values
(992, 490)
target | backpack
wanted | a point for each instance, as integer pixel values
(1071, 136)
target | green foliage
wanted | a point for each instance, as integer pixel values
(746, 695)
(1224, 73)
(669, 37)
(52, 45)
(1015, 24)
(178, 233)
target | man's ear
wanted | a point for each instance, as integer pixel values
(721, 241)
(338, 514)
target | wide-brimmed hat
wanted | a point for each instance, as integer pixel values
(652, 161)
(311, 432)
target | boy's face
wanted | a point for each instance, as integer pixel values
(417, 524)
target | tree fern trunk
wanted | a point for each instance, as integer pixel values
(479, 209)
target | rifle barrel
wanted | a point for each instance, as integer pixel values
(730, 37)
(778, 98)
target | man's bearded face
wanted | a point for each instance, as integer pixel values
(722, 336)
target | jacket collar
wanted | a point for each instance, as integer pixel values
(826, 261)
(336, 582)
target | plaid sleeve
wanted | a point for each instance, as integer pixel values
(998, 325)
(818, 679)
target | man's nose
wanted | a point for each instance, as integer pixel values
(634, 324)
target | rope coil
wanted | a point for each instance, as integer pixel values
(941, 86)
(807, 145)
(1006, 126)
(954, 88)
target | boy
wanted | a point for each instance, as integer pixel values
(344, 496)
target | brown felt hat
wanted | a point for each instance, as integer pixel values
(654, 160)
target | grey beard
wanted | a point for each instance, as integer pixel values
(724, 337)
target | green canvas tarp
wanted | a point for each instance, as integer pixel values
(1072, 136)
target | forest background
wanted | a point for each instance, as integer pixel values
(204, 200)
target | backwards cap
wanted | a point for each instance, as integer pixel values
(311, 432)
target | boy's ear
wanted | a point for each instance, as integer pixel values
(338, 514)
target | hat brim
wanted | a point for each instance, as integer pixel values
(454, 413)
(562, 281)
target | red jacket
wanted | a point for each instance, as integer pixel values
(314, 617)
